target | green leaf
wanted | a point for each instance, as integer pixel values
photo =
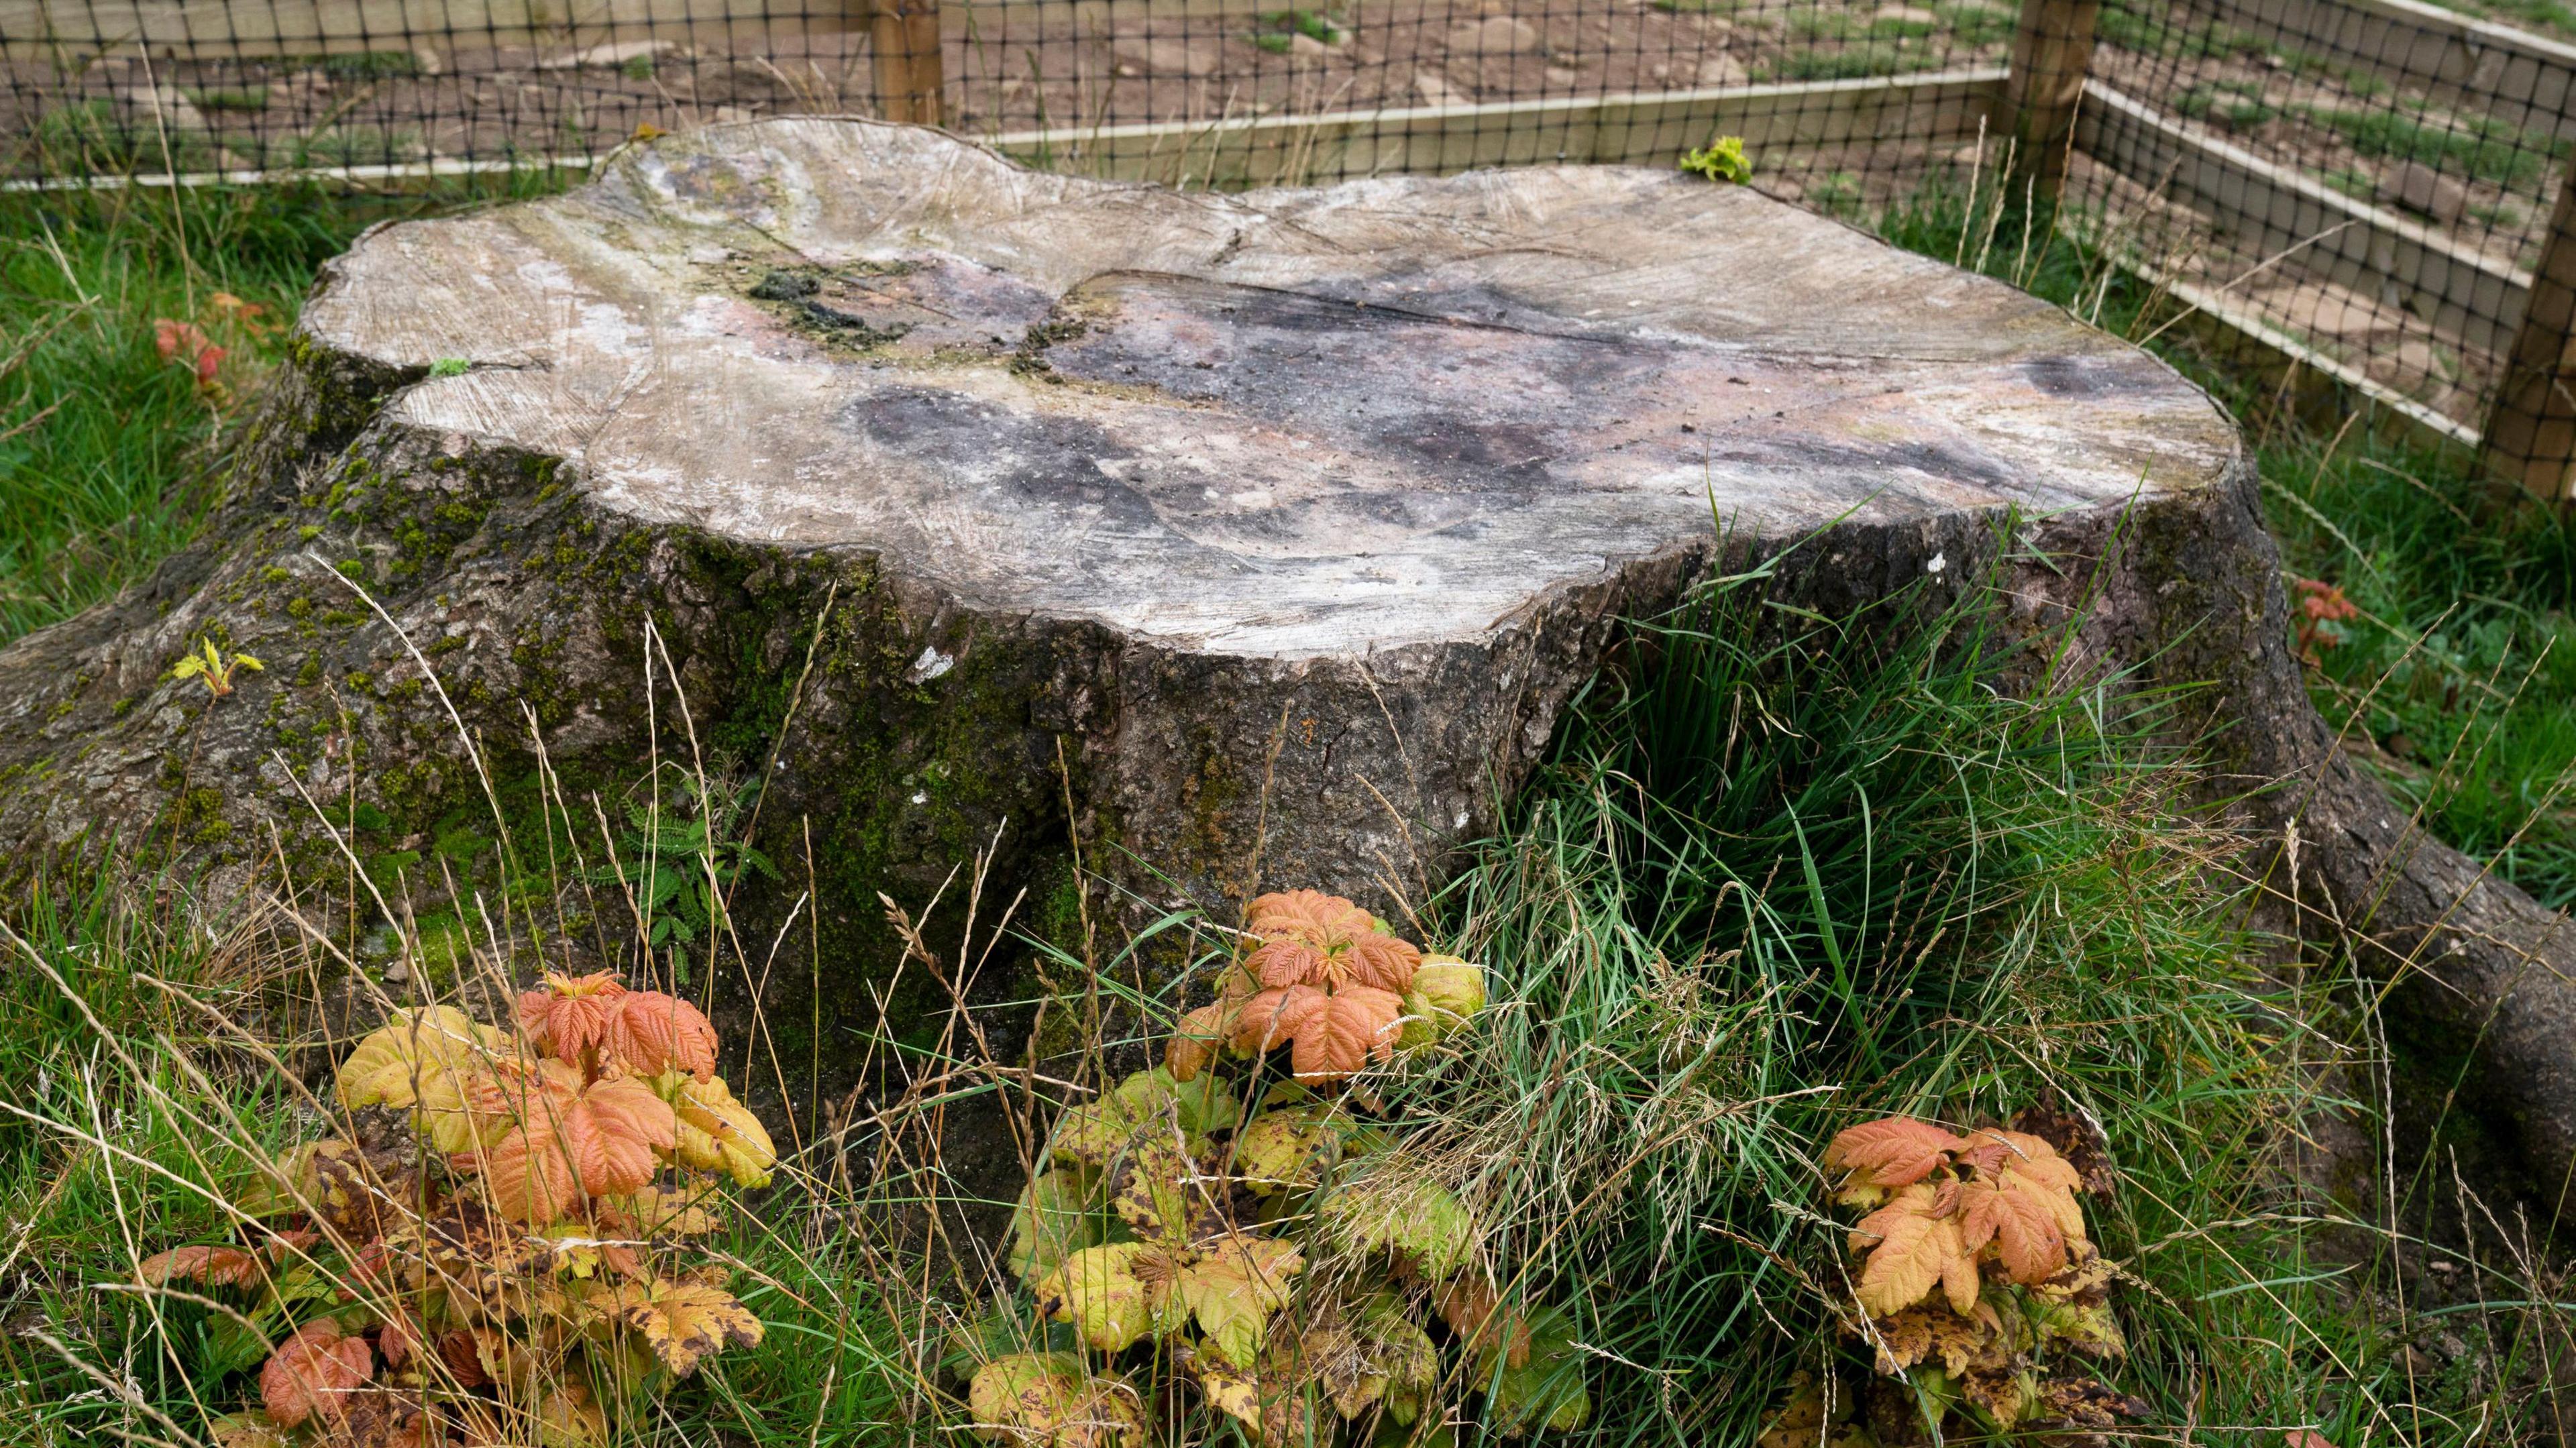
(1425, 1433)
(1288, 1150)
(1101, 1130)
(1401, 1354)
(1420, 1221)
(1204, 1106)
(999, 1333)
(1546, 1391)
(230, 1346)
(1060, 1214)
(1232, 1287)
(1053, 1399)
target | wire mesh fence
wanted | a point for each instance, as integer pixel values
(2368, 188)
(1229, 91)
(2372, 180)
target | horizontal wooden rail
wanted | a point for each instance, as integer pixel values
(1635, 127)
(2467, 297)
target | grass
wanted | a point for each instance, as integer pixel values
(2479, 146)
(1855, 62)
(107, 140)
(2236, 105)
(2553, 17)
(106, 446)
(356, 145)
(104, 443)
(1972, 26)
(2456, 676)
(230, 98)
(1777, 876)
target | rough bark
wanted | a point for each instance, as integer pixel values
(1248, 540)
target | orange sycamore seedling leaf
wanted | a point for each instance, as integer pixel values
(1310, 938)
(213, 1266)
(1332, 1034)
(1896, 1152)
(600, 1141)
(569, 1016)
(2017, 1217)
(313, 1372)
(652, 1033)
(1914, 1246)
(1195, 1042)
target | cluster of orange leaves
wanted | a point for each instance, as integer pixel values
(502, 1205)
(186, 344)
(1974, 1262)
(2322, 610)
(1946, 1205)
(1326, 979)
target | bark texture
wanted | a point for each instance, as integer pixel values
(1250, 540)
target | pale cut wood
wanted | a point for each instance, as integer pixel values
(1633, 128)
(2522, 79)
(1087, 16)
(1628, 128)
(2052, 50)
(2467, 297)
(2531, 434)
(903, 43)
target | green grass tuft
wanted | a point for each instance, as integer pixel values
(2479, 146)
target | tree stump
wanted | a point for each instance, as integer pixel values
(1244, 541)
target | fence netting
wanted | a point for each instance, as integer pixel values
(1203, 91)
(2365, 187)
(2372, 183)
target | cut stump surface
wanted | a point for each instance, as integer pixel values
(1246, 540)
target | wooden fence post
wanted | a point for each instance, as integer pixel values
(2531, 431)
(2052, 48)
(903, 36)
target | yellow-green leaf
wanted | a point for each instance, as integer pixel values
(1052, 1400)
(392, 1064)
(1452, 989)
(1098, 1291)
(682, 1322)
(1400, 1355)
(1059, 1214)
(1287, 1150)
(1418, 1220)
(1161, 1192)
(1233, 1286)
(1546, 1391)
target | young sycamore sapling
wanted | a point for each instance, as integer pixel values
(498, 1243)
(1262, 1236)
(1977, 1292)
